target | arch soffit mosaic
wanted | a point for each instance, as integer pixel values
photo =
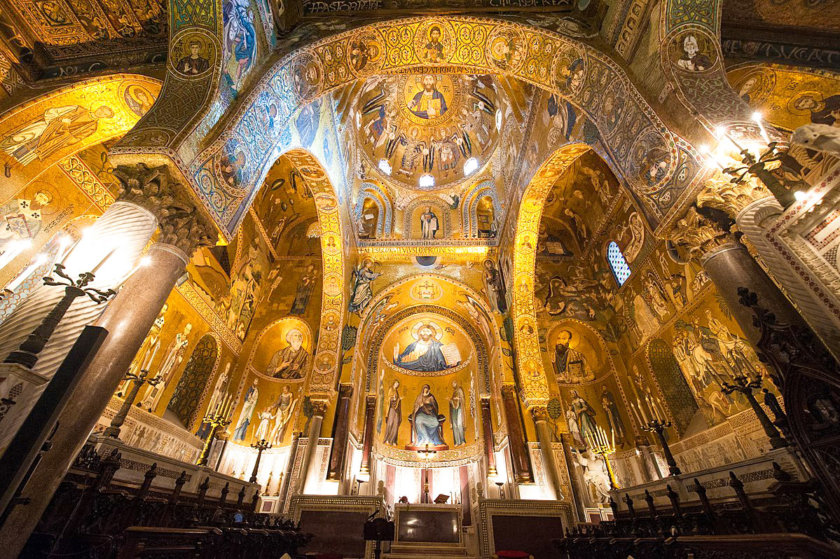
(481, 343)
(539, 57)
(325, 364)
(699, 79)
(115, 91)
(532, 375)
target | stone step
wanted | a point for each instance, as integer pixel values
(426, 551)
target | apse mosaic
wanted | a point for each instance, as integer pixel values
(426, 389)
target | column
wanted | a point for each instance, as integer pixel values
(319, 409)
(113, 244)
(729, 266)
(516, 436)
(540, 415)
(489, 442)
(128, 318)
(367, 439)
(342, 430)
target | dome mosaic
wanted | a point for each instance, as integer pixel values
(427, 132)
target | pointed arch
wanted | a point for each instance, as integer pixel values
(526, 337)
(118, 105)
(370, 319)
(326, 363)
(543, 58)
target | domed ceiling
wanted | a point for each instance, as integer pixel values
(427, 132)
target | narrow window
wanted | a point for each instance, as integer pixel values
(618, 263)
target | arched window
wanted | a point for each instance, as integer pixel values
(618, 263)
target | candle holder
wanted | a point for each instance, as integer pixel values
(28, 352)
(599, 445)
(260, 445)
(113, 429)
(221, 416)
(758, 167)
(746, 386)
(658, 426)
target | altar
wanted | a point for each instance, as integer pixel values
(428, 523)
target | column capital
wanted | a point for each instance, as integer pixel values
(319, 407)
(182, 222)
(720, 193)
(539, 413)
(698, 235)
(508, 390)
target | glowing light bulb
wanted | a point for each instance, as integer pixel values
(757, 116)
(720, 131)
(384, 166)
(470, 166)
(145, 261)
(426, 181)
(799, 195)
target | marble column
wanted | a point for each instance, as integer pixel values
(342, 430)
(127, 318)
(367, 438)
(729, 265)
(133, 226)
(540, 415)
(516, 436)
(489, 442)
(319, 410)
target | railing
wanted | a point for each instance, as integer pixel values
(91, 515)
(787, 521)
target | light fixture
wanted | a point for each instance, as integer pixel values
(800, 195)
(470, 166)
(426, 181)
(384, 166)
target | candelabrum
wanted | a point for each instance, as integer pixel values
(746, 386)
(27, 353)
(766, 162)
(761, 167)
(220, 416)
(138, 381)
(599, 444)
(260, 446)
(658, 425)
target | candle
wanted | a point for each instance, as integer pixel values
(642, 409)
(69, 250)
(636, 413)
(107, 256)
(148, 362)
(612, 432)
(652, 409)
(661, 408)
(757, 118)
